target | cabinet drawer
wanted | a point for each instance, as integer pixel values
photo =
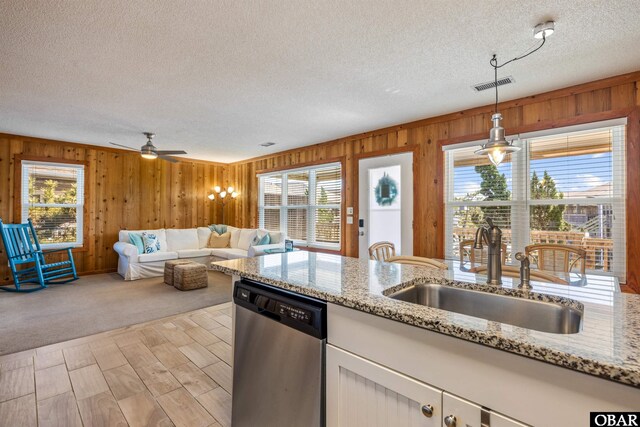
(463, 413)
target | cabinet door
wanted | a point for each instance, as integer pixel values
(361, 393)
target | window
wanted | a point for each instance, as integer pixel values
(305, 203)
(53, 197)
(565, 187)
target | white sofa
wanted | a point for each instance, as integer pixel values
(189, 244)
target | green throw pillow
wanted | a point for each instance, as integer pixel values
(136, 240)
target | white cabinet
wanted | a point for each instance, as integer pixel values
(457, 412)
(361, 393)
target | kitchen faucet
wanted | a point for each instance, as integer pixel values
(492, 236)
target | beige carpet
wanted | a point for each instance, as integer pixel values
(95, 304)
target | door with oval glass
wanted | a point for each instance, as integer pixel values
(385, 199)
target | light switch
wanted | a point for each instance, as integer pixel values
(349, 220)
(350, 212)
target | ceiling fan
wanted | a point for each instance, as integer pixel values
(149, 151)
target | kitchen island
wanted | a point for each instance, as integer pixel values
(537, 378)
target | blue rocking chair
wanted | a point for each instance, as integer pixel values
(27, 260)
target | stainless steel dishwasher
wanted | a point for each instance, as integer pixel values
(278, 357)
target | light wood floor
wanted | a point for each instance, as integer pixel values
(172, 371)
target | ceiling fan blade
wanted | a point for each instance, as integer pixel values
(168, 158)
(165, 152)
(124, 146)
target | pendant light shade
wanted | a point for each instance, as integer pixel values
(497, 147)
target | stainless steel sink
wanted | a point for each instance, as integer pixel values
(526, 313)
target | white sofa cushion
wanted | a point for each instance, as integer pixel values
(228, 253)
(192, 253)
(123, 236)
(235, 237)
(186, 238)
(203, 236)
(246, 238)
(157, 256)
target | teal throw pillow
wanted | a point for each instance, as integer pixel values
(218, 228)
(151, 243)
(136, 240)
(264, 240)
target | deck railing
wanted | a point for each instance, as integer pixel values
(599, 251)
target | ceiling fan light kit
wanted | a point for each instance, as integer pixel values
(497, 147)
(150, 152)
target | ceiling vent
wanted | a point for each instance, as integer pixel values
(490, 85)
(267, 144)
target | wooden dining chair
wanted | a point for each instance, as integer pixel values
(380, 251)
(555, 257)
(478, 256)
(417, 260)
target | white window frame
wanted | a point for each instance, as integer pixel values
(520, 203)
(311, 207)
(79, 205)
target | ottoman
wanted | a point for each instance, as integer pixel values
(168, 269)
(190, 276)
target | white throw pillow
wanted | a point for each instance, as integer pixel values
(276, 236)
(246, 238)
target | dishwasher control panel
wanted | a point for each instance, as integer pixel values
(299, 314)
(291, 309)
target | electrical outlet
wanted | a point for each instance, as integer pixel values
(350, 210)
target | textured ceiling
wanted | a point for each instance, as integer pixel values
(218, 78)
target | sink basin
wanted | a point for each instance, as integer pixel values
(526, 313)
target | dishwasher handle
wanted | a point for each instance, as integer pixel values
(269, 314)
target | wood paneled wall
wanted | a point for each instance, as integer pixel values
(127, 192)
(604, 99)
(123, 191)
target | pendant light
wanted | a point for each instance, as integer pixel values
(497, 147)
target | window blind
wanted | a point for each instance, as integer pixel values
(53, 197)
(566, 188)
(311, 211)
(326, 212)
(297, 204)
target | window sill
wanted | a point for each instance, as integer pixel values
(74, 249)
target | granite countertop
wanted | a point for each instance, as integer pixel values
(608, 345)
